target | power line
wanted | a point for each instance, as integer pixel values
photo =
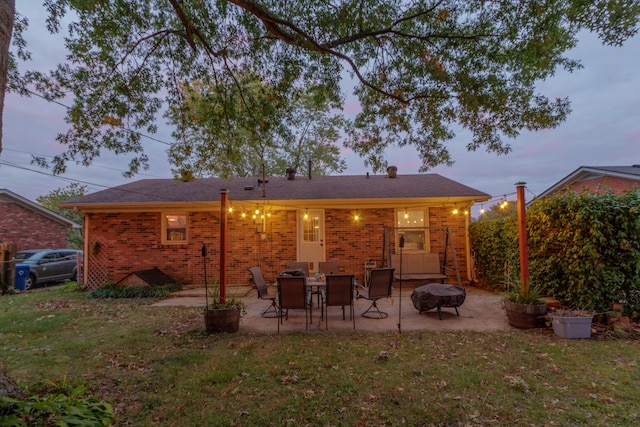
(92, 164)
(124, 128)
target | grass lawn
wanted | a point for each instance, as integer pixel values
(157, 367)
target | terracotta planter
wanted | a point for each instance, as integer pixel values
(526, 316)
(222, 320)
(571, 326)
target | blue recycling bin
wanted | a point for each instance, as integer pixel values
(22, 272)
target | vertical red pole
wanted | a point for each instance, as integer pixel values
(522, 233)
(224, 198)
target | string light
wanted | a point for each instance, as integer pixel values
(481, 209)
(306, 215)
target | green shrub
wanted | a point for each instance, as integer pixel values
(65, 405)
(494, 244)
(112, 291)
(584, 248)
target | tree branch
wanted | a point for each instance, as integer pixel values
(273, 25)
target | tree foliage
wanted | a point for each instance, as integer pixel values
(54, 198)
(262, 128)
(420, 67)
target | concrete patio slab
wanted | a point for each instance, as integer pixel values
(482, 311)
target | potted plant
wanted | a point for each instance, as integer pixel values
(525, 309)
(222, 315)
(569, 323)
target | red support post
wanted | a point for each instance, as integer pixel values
(224, 198)
(522, 233)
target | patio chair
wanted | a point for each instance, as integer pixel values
(329, 267)
(380, 286)
(299, 265)
(338, 291)
(293, 295)
(303, 265)
(263, 293)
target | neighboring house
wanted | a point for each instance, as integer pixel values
(163, 223)
(598, 179)
(29, 225)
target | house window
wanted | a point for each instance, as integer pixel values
(413, 226)
(174, 228)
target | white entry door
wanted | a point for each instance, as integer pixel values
(311, 237)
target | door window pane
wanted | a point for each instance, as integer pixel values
(311, 228)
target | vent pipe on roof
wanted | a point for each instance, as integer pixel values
(309, 168)
(392, 171)
(291, 174)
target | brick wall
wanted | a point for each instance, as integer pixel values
(28, 229)
(606, 183)
(132, 241)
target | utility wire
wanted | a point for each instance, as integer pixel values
(126, 129)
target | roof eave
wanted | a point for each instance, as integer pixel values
(282, 204)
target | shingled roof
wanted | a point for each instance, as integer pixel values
(349, 188)
(590, 172)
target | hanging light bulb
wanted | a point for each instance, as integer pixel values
(244, 215)
(356, 217)
(455, 210)
(406, 214)
(306, 214)
(481, 209)
(230, 209)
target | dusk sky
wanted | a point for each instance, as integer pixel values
(602, 130)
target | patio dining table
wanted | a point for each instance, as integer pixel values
(316, 283)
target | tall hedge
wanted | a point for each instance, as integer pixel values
(584, 248)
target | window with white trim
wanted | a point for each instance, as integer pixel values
(413, 226)
(174, 227)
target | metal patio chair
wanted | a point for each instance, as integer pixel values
(338, 291)
(293, 295)
(263, 293)
(380, 286)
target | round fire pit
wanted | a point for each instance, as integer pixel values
(438, 295)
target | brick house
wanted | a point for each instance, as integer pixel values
(598, 179)
(163, 223)
(29, 225)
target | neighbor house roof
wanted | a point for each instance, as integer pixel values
(585, 173)
(317, 191)
(7, 196)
